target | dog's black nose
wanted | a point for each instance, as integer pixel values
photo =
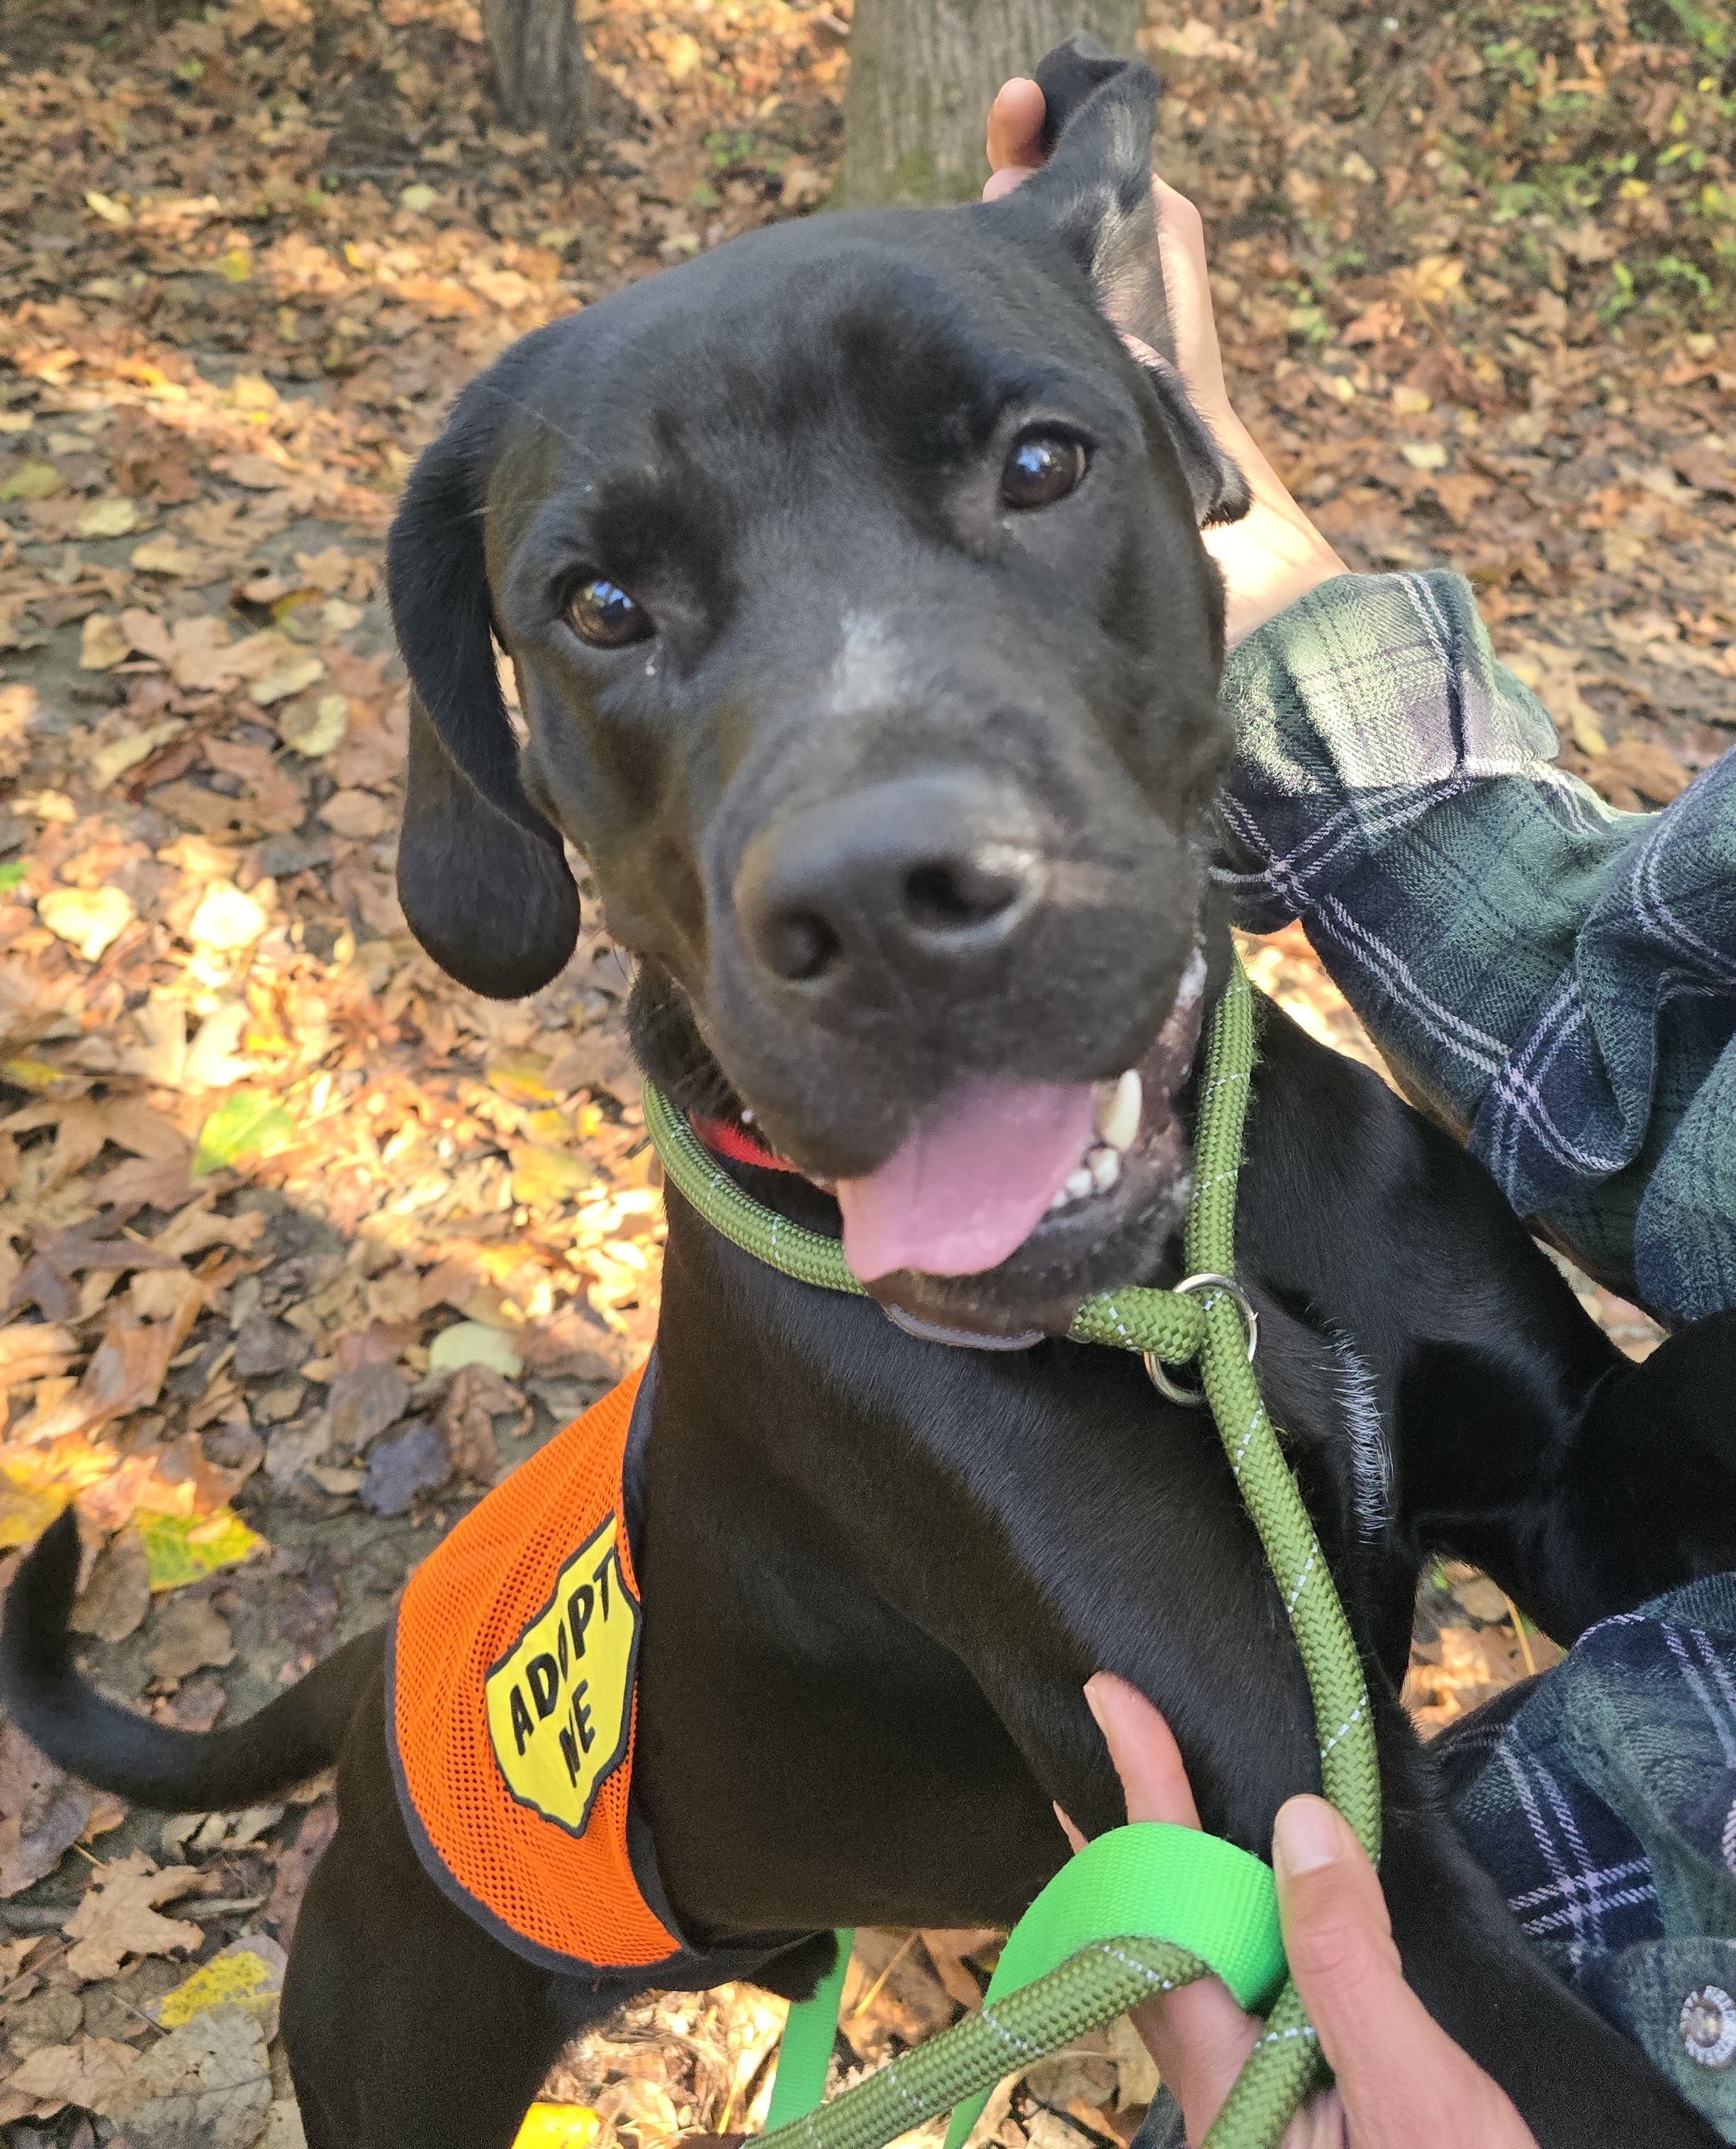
(928, 874)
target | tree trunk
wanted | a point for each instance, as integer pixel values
(923, 73)
(540, 78)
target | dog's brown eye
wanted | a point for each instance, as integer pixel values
(1042, 469)
(603, 614)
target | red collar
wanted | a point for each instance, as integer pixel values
(730, 1138)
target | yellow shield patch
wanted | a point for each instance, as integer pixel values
(560, 1701)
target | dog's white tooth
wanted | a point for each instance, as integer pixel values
(1078, 1184)
(1105, 1168)
(1061, 1199)
(1117, 1116)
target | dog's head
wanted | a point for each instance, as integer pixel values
(868, 653)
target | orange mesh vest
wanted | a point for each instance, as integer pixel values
(512, 1702)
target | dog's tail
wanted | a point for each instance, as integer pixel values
(154, 1764)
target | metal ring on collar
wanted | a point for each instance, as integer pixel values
(1206, 1280)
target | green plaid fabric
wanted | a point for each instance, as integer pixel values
(1553, 980)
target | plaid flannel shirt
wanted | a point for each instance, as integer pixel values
(1601, 1797)
(1553, 980)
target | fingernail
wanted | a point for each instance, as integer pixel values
(1306, 1835)
(1091, 1703)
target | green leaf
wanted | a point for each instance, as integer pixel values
(32, 481)
(247, 1123)
(12, 872)
(181, 1548)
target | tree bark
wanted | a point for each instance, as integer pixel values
(540, 77)
(923, 73)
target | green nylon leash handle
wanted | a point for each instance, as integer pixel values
(1205, 1324)
(1156, 1881)
(804, 2051)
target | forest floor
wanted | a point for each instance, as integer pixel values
(301, 1245)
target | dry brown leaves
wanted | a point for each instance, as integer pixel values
(294, 1234)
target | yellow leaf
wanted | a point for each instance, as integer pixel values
(25, 1510)
(559, 2126)
(314, 727)
(226, 919)
(105, 207)
(235, 266)
(107, 518)
(522, 1081)
(240, 1974)
(89, 919)
(542, 1176)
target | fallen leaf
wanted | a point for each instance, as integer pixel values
(187, 1637)
(247, 1123)
(226, 919)
(473, 1343)
(313, 726)
(101, 643)
(117, 1916)
(357, 814)
(30, 1352)
(107, 762)
(168, 555)
(206, 2085)
(116, 1598)
(258, 473)
(43, 1812)
(360, 1405)
(89, 919)
(107, 518)
(283, 680)
(34, 480)
(125, 1373)
(248, 1974)
(91, 2073)
(184, 1548)
(398, 1470)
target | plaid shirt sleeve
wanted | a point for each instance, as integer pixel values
(1602, 1799)
(1553, 980)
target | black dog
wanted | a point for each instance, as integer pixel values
(868, 653)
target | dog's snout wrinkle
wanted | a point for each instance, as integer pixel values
(924, 877)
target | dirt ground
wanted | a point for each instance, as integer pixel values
(300, 1246)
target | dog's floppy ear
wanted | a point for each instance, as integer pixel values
(1096, 192)
(481, 874)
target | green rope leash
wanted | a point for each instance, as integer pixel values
(1203, 1319)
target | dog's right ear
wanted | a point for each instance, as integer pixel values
(482, 875)
(1094, 194)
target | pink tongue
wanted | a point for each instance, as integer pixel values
(970, 1185)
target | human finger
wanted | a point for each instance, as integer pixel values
(1198, 2036)
(1398, 2071)
(1015, 125)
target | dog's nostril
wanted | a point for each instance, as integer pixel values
(950, 895)
(798, 945)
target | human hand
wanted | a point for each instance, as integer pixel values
(1401, 2081)
(1274, 554)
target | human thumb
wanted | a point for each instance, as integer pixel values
(1398, 2069)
